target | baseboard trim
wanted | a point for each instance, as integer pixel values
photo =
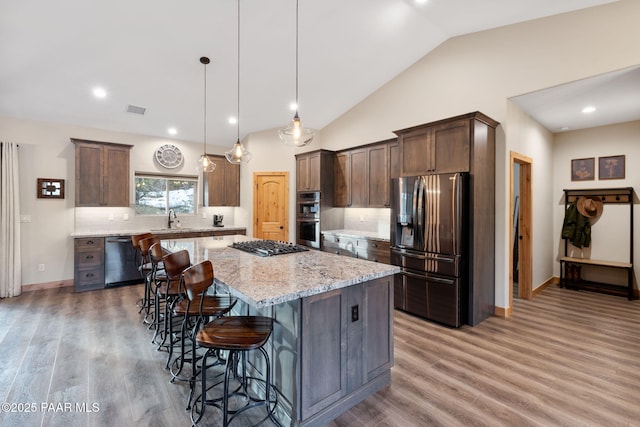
(551, 281)
(47, 285)
(502, 311)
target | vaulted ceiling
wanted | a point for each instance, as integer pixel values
(146, 53)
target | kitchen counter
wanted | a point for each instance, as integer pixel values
(265, 281)
(156, 231)
(332, 340)
(373, 235)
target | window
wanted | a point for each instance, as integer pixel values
(156, 194)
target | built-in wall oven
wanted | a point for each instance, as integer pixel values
(308, 219)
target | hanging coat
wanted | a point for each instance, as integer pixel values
(576, 227)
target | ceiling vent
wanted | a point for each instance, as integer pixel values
(136, 110)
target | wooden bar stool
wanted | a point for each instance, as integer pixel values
(135, 241)
(150, 268)
(158, 277)
(174, 264)
(197, 310)
(237, 335)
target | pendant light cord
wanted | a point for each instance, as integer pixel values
(238, 114)
(205, 105)
(297, 1)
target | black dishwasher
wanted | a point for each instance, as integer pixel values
(121, 266)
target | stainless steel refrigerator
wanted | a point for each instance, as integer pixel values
(428, 240)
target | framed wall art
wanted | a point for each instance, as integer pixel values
(583, 169)
(49, 188)
(611, 167)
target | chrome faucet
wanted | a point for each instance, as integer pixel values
(169, 220)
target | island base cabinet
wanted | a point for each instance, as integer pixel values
(328, 352)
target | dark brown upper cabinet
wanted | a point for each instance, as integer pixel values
(102, 173)
(222, 186)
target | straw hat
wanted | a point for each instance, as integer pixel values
(590, 207)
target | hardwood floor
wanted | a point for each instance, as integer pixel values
(566, 358)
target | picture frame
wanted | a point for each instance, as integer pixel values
(583, 169)
(611, 167)
(50, 188)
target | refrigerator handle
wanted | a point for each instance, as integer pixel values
(456, 202)
(414, 211)
(420, 221)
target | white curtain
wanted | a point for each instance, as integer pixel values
(10, 280)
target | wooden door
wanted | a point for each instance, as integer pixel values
(524, 237)
(270, 202)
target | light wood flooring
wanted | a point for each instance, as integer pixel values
(565, 358)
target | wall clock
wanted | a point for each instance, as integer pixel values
(169, 156)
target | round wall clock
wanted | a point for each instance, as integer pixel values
(169, 156)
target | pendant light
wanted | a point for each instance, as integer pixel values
(205, 163)
(238, 153)
(296, 134)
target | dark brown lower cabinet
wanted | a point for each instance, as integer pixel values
(329, 351)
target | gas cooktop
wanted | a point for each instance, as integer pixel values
(268, 247)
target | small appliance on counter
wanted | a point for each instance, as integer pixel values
(217, 220)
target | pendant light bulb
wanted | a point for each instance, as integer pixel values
(205, 164)
(238, 154)
(296, 134)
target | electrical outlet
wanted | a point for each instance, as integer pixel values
(25, 218)
(110, 217)
(361, 218)
(204, 215)
(125, 217)
(40, 267)
(355, 315)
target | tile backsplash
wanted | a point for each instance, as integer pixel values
(366, 219)
(124, 219)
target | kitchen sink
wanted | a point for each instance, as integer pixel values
(172, 229)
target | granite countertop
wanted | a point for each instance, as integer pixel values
(266, 281)
(156, 231)
(374, 235)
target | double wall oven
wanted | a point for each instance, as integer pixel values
(308, 219)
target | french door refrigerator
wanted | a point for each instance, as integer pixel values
(428, 241)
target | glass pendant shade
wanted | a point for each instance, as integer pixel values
(296, 134)
(205, 164)
(238, 154)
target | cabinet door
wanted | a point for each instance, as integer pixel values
(214, 189)
(116, 176)
(222, 186)
(324, 350)
(313, 171)
(394, 160)
(302, 172)
(341, 183)
(89, 166)
(416, 152)
(232, 184)
(358, 178)
(451, 142)
(378, 172)
(378, 330)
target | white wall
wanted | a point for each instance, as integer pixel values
(47, 152)
(480, 72)
(610, 233)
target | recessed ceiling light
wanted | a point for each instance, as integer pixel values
(421, 1)
(172, 131)
(233, 120)
(563, 128)
(589, 109)
(99, 92)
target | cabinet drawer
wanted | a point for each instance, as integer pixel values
(339, 245)
(89, 243)
(89, 276)
(90, 257)
(374, 250)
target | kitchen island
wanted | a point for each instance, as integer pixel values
(332, 342)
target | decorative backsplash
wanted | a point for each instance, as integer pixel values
(122, 219)
(367, 219)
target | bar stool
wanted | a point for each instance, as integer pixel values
(135, 241)
(237, 335)
(171, 289)
(158, 276)
(150, 267)
(196, 310)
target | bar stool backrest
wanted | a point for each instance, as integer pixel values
(156, 253)
(198, 278)
(145, 244)
(175, 263)
(135, 239)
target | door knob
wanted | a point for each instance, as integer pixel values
(281, 227)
